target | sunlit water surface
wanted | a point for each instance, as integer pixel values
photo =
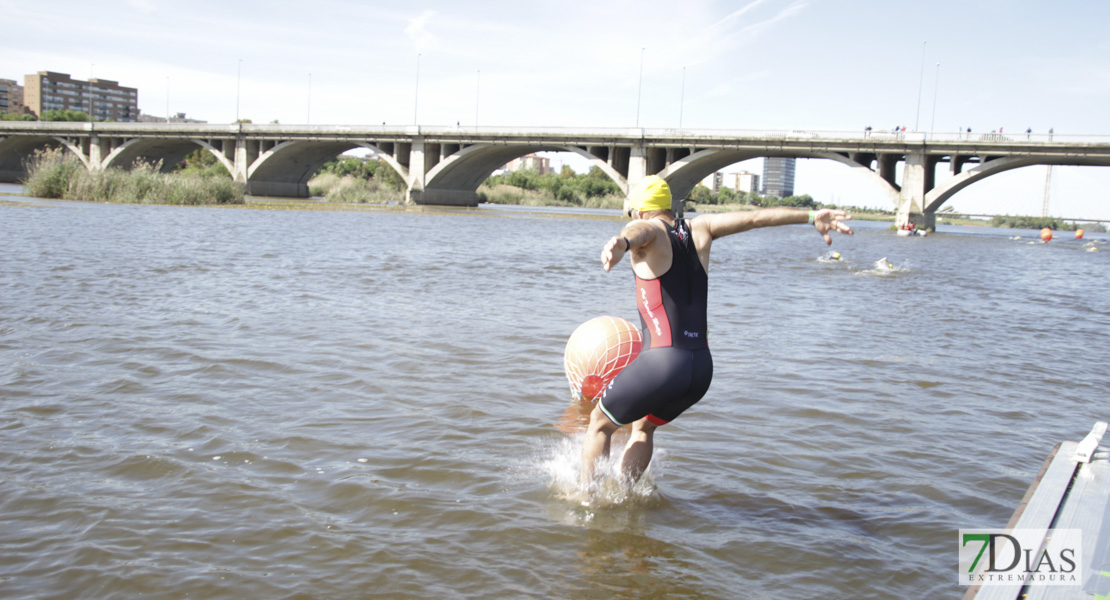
(237, 403)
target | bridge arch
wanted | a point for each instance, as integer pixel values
(936, 197)
(388, 159)
(285, 168)
(75, 149)
(458, 176)
(167, 152)
(15, 151)
(684, 174)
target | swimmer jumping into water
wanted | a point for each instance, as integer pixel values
(670, 259)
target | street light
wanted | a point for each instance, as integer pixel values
(477, 96)
(308, 110)
(167, 98)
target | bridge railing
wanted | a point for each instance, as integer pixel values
(622, 133)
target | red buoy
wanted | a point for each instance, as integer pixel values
(1046, 234)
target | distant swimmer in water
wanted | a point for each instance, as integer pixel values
(884, 265)
(829, 257)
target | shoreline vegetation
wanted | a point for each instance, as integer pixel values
(55, 173)
(201, 180)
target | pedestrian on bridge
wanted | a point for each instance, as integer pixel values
(670, 260)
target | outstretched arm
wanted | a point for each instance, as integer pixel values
(825, 221)
(633, 236)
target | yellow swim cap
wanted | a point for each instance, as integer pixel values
(652, 193)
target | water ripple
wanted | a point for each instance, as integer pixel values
(237, 403)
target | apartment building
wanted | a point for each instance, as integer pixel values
(739, 182)
(778, 176)
(11, 97)
(104, 99)
(541, 164)
(745, 181)
(713, 181)
(176, 118)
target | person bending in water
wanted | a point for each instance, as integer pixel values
(670, 259)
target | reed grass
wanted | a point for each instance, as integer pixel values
(509, 194)
(353, 190)
(55, 173)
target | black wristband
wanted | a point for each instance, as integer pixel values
(627, 244)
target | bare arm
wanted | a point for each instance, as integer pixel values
(721, 224)
(634, 237)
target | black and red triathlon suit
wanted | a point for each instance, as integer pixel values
(674, 369)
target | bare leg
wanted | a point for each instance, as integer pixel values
(596, 445)
(637, 454)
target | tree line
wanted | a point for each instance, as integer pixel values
(703, 195)
(1041, 223)
(48, 115)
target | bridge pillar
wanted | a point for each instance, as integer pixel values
(417, 166)
(239, 174)
(637, 165)
(92, 152)
(96, 152)
(917, 179)
(422, 158)
(887, 163)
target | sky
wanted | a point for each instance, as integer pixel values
(815, 65)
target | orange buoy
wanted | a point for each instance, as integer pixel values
(1079, 233)
(1046, 234)
(598, 350)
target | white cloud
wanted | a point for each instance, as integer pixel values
(146, 6)
(417, 31)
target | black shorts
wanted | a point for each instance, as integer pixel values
(661, 383)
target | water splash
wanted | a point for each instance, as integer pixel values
(885, 268)
(560, 461)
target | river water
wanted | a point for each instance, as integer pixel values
(243, 403)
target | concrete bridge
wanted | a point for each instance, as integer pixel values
(445, 165)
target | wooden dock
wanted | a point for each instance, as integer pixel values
(1072, 491)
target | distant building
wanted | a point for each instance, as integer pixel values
(11, 97)
(714, 181)
(778, 176)
(540, 164)
(176, 118)
(746, 182)
(738, 182)
(103, 99)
